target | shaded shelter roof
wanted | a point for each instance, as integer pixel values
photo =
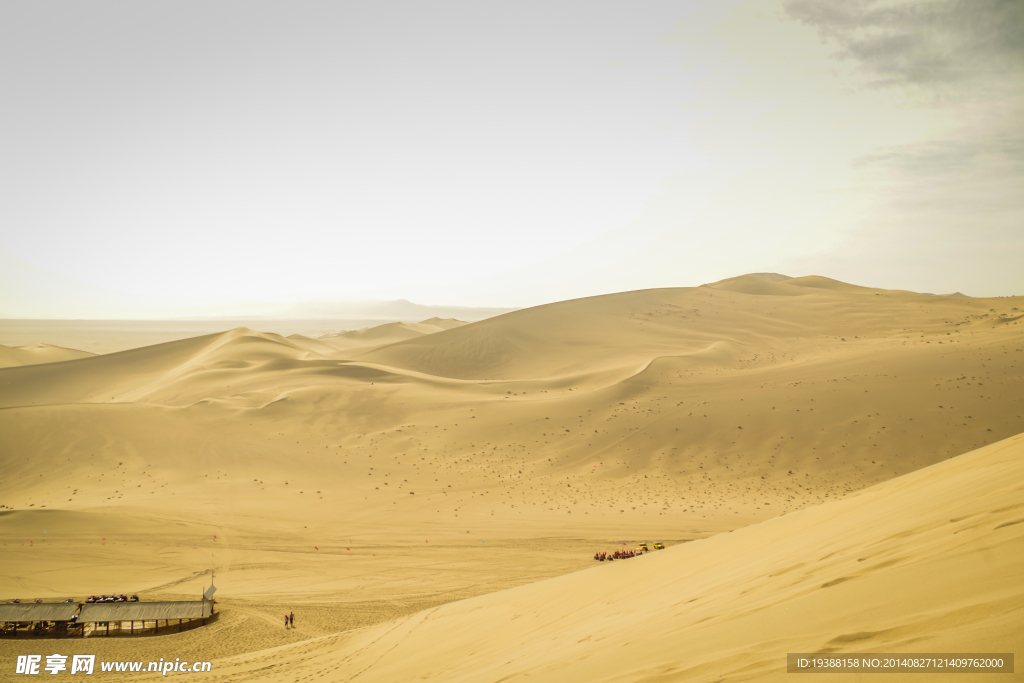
(141, 611)
(34, 611)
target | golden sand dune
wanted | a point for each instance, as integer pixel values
(315, 346)
(763, 318)
(133, 375)
(36, 354)
(929, 562)
(719, 404)
(360, 485)
(443, 323)
(386, 334)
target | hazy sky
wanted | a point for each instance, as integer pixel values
(165, 157)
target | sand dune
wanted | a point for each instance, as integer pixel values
(359, 485)
(111, 336)
(620, 330)
(443, 323)
(390, 333)
(931, 561)
(132, 375)
(37, 354)
(737, 406)
(315, 346)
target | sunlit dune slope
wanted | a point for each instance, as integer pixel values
(387, 334)
(36, 354)
(314, 345)
(755, 319)
(400, 476)
(131, 375)
(929, 562)
(443, 323)
(338, 344)
(719, 405)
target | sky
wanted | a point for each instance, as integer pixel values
(177, 158)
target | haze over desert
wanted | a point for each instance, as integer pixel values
(367, 342)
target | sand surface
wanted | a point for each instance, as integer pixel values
(929, 562)
(378, 485)
(35, 354)
(110, 336)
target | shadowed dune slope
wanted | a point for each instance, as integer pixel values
(929, 562)
(37, 354)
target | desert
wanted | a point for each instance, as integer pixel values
(497, 342)
(430, 507)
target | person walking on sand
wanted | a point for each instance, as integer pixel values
(286, 621)
(291, 619)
